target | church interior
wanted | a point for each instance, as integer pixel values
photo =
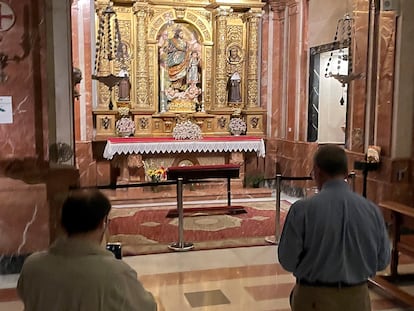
(114, 93)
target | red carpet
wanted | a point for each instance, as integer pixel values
(143, 231)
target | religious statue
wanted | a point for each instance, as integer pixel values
(179, 68)
(192, 75)
(124, 88)
(233, 87)
(177, 58)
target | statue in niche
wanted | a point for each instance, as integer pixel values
(233, 88)
(192, 76)
(179, 60)
(124, 87)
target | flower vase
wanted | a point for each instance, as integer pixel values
(236, 133)
(155, 179)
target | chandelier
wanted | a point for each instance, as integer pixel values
(342, 55)
(107, 46)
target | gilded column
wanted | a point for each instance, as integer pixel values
(141, 12)
(220, 73)
(253, 18)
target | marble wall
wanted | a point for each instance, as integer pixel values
(24, 47)
(24, 214)
(30, 190)
(286, 144)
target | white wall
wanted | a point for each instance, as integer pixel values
(332, 115)
(404, 99)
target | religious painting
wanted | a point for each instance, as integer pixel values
(179, 68)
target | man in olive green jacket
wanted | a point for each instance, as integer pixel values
(77, 273)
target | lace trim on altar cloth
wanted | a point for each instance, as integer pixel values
(250, 145)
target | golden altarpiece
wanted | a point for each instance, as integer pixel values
(187, 59)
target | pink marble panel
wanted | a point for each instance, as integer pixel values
(358, 87)
(24, 215)
(25, 41)
(303, 103)
(87, 17)
(271, 158)
(81, 19)
(291, 70)
(265, 61)
(278, 25)
(385, 85)
(86, 163)
(103, 173)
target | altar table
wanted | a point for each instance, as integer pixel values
(131, 145)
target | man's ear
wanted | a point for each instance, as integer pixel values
(105, 222)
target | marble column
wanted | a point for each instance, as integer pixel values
(357, 89)
(141, 12)
(277, 84)
(220, 73)
(291, 70)
(253, 18)
(385, 82)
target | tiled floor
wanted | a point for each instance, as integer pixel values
(228, 279)
(247, 278)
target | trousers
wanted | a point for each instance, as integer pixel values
(315, 298)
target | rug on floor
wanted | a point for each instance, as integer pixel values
(147, 231)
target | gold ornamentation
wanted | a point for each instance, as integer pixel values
(104, 94)
(222, 122)
(209, 62)
(143, 123)
(253, 19)
(180, 12)
(141, 12)
(254, 122)
(105, 123)
(182, 105)
(221, 76)
(151, 83)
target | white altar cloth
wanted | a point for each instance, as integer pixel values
(169, 145)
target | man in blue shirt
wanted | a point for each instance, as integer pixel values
(334, 241)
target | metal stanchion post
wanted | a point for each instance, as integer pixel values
(275, 239)
(351, 177)
(228, 191)
(180, 245)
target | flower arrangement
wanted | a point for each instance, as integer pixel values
(237, 126)
(125, 126)
(187, 130)
(155, 174)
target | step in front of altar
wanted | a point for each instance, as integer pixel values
(208, 211)
(192, 192)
